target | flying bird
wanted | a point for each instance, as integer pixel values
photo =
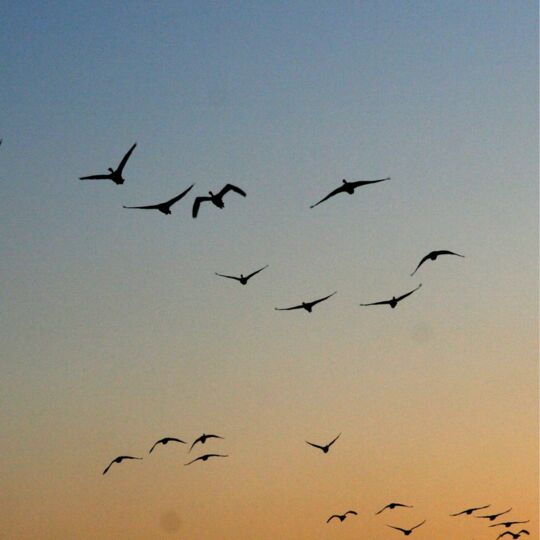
(433, 256)
(202, 439)
(216, 198)
(166, 440)
(348, 187)
(119, 459)
(406, 532)
(114, 175)
(469, 511)
(205, 457)
(341, 517)
(243, 279)
(391, 506)
(325, 447)
(508, 524)
(514, 535)
(393, 302)
(492, 517)
(308, 306)
(164, 207)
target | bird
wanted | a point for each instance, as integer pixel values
(202, 439)
(393, 302)
(492, 517)
(119, 459)
(406, 532)
(391, 506)
(469, 511)
(243, 279)
(433, 256)
(114, 175)
(348, 187)
(164, 207)
(205, 457)
(166, 440)
(308, 306)
(325, 447)
(216, 198)
(341, 517)
(513, 535)
(508, 524)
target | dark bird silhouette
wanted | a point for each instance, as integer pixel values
(308, 306)
(243, 279)
(166, 440)
(217, 198)
(325, 447)
(469, 511)
(391, 506)
(508, 524)
(205, 457)
(406, 532)
(393, 302)
(514, 535)
(348, 187)
(493, 517)
(341, 517)
(164, 207)
(119, 459)
(433, 256)
(114, 175)
(202, 439)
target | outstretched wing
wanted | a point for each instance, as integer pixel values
(398, 529)
(194, 443)
(331, 194)
(365, 182)
(109, 466)
(289, 308)
(214, 437)
(351, 512)
(155, 444)
(178, 197)
(377, 303)
(197, 203)
(331, 443)
(322, 299)
(124, 159)
(230, 277)
(315, 445)
(256, 272)
(193, 460)
(399, 298)
(149, 207)
(424, 259)
(383, 508)
(230, 187)
(416, 526)
(332, 517)
(503, 534)
(96, 177)
(446, 252)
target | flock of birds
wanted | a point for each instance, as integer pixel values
(116, 176)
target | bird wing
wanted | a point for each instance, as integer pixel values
(195, 442)
(155, 444)
(416, 526)
(424, 259)
(197, 203)
(109, 466)
(217, 455)
(351, 512)
(331, 194)
(176, 440)
(148, 207)
(300, 306)
(230, 277)
(125, 158)
(193, 460)
(397, 528)
(230, 187)
(178, 197)
(383, 508)
(214, 437)
(332, 517)
(331, 443)
(315, 445)
(365, 182)
(446, 252)
(399, 298)
(256, 272)
(96, 177)
(503, 534)
(322, 299)
(377, 303)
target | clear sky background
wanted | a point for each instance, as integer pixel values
(115, 331)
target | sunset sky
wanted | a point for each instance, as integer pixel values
(116, 332)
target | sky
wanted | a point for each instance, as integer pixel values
(115, 330)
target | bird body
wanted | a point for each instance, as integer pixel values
(325, 447)
(114, 174)
(341, 517)
(393, 302)
(164, 207)
(216, 198)
(348, 187)
(243, 279)
(205, 457)
(433, 256)
(119, 459)
(166, 440)
(308, 306)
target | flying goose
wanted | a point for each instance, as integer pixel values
(393, 302)
(119, 459)
(216, 198)
(114, 175)
(406, 532)
(308, 306)
(325, 447)
(348, 187)
(202, 439)
(205, 457)
(391, 506)
(166, 440)
(341, 517)
(433, 256)
(243, 279)
(164, 207)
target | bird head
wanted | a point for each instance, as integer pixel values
(110, 170)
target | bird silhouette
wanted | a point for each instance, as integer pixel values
(469, 511)
(348, 187)
(393, 302)
(202, 439)
(513, 535)
(119, 459)
(243, 279)
(308, 306)
(341, 517)
(164, 207)
(508, 524)
(493, 517)
(406, 532)
(166, 440)
(325, 447)
(391, 506)
(433, 256)
(216, 198)
(205, 457)
(114, 175)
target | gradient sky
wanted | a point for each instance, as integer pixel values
(115, 331)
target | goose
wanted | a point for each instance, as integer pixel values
(114, 175)
(216, 198)
(308, 306)
(243, 279)
(164, 207)
(119, 459)
(325, 447)
(433, 256)
(393, 302)
(348, 187)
